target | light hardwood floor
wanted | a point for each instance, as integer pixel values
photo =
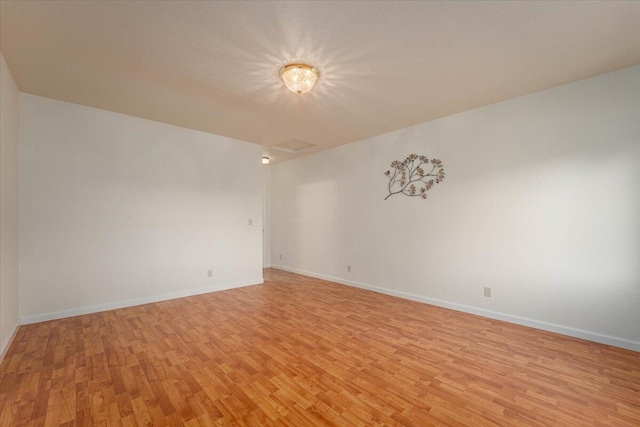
(299, 351)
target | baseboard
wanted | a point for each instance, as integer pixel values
(537, 324)
(7, 343)
(129, 303)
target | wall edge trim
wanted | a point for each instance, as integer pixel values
(523, 321)
(4, 348)
(36, 318)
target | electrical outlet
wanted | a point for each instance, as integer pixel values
(250, 221)
(349, 268)
(487, 292)
(209, 273)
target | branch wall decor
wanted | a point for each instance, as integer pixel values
(409, 176)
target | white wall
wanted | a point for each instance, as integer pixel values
(541, 203)
(266, 245)
(9, 125)
(117, 210)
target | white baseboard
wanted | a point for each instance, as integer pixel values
(538, 324)
(129, 303)
(4, 347)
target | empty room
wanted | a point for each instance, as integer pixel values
(319, 213)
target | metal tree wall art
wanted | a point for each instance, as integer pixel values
(410, 178)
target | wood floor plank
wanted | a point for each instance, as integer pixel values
(299, 351)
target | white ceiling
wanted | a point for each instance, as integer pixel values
(213, 66)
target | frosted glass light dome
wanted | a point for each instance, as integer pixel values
(299, 78)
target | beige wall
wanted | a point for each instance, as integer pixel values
(116, 210)
(541, 203)
(266, 235)
(9, 125)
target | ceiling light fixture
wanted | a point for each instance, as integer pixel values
(299, 78)
(265, 160)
